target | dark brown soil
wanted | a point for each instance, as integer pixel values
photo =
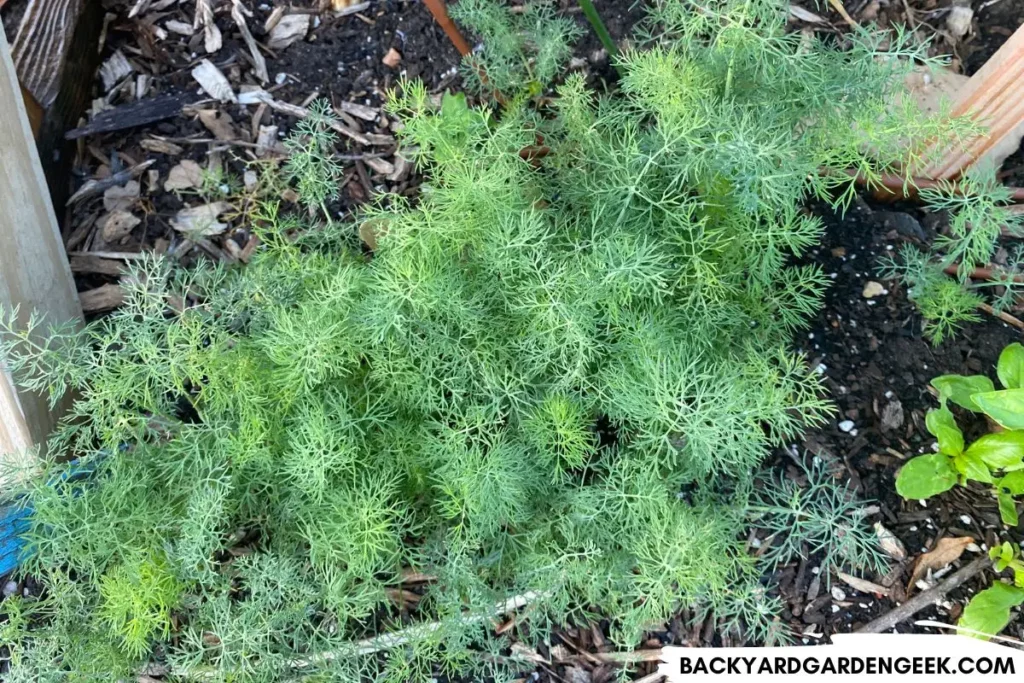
(995, 23)
(876, 361)
(344, 62)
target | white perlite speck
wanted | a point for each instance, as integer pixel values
(846, 426)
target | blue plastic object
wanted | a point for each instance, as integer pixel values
(15, 520)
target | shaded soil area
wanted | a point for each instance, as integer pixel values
(877, 366)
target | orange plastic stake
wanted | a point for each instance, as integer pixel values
(440, 12)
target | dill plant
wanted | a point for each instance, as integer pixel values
(508, 396)
(978, 209)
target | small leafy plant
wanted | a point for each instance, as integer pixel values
(995, 459)
(988, 612)
(820, 517)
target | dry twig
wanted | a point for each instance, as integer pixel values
(925, 599)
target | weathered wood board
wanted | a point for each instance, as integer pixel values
(34, 271)
(994, 97)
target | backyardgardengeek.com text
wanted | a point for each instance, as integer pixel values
(925, 665)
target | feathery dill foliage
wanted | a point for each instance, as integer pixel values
(517, 51)
(945, 304)
(822, 516)
(507, 396)
(979, 213)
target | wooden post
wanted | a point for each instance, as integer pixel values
(994, 97)
(54, 53)
(34, 271)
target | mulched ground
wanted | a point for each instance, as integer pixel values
(877, 367)
(350, 58)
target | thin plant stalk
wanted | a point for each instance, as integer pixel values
(599, 28)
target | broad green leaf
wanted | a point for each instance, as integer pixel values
(1008, 510)
(1010, 368)
(1013, 483)
(972, 468)
(1005, 407)
(999, 450)
(989, 610)
(942, 425)
(959, 389)
(926, 476)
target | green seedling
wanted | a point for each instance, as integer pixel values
(988, 612)
(995, 459)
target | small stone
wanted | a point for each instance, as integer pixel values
(835, 608)
(966, 519)
(872, 289)
(838, 594)
(392, 59)
(280, 78)
(10, 588)
(846, 426)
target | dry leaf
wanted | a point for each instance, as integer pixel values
(118, 198)
(201, 221)
(179, 27)
(218, 123)
(160, 146)
(289, 29)
(117, 224)
(266, 141)
(212, 39)
(370, 230)
(958, 21)
(798, 12)
(184, 176)
(213, 82)
(114, 69)
(392, 59)
(521, 651)
(862, 585)
(890, 545)
(945, 552)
